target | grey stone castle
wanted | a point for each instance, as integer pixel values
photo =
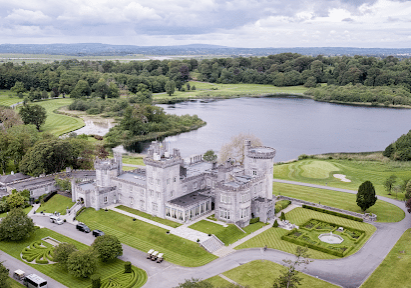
(170, 188)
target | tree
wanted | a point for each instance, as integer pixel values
(234, 150)
(170, 87)
(4, 276)
(9, 118)
(16, 226)
(18, 88)
(33, 114)
(389, 183)
(408, 190)
(62, 253)
(113, 91)
(101, 152)
(82, 263)
(210, 156)
(15, 200)
(64, 184)
(275, 225)
(100, 89)
(289, 278)
(82, 89)
(282, 216)
(194, 283)
(108, 247)
(408, 205)
(366, 195)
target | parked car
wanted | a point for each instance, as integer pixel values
(56, 219)
(82, 227)
(34, 281)
(97, 233)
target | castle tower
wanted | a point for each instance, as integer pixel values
(259, 161)
(163, 177)
(107, 169)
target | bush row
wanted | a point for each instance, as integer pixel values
(316, 247)
(280, 205)
(80, 210)
(254, 220)
(333, 213)
(49, 195)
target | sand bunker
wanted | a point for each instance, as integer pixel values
(342, 177)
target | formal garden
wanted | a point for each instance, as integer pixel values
(277, 238)
(37, 251)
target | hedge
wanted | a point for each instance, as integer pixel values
(254, 220)
(334, 213)
(80, 210)
(48, 196)
(336, 225)
(282, 204)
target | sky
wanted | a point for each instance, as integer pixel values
(233, 23)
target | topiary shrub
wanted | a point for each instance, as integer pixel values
(96, 280)
(127, 267)
(282, 217)
(275, 225)
(254, 220)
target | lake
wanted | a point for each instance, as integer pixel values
(293, 126)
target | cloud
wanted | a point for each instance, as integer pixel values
(23, 16)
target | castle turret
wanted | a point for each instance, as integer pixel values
(107, 169)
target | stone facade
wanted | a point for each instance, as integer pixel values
(172, 189)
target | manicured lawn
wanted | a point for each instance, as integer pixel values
(57, 203)
(59, 124)
(210, 90)
(143, 236)
(394, 270)
(133, 160)
(218, 282)
(262, 274)
(148, 216)
(26, 210)
(6, 100)
(321, 172)
(52, 270)
(272, 237)
(386, 212)
(228, 234)
(14, 284)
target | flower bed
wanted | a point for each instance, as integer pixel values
(40, 251)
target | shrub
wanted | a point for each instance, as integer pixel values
(333, 213)
(254, 220)
(127, 267)
(79, 211)
(282, 216)
(280, 205)
(275, 225)
(48, 196)
(96, 280)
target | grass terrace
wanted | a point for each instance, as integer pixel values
(144, 236)
(107, 270)
(394, 270)
(228, 234)
(212, 90)
(262, 274)
(386, 212)
(362, 167)
(299, 216)
(148, 216)
(57, 203)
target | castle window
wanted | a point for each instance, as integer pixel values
(142, 205)
(224, 214)
(254, 172)
(171, 193)
(244, 213)
(155, 206)
(175, 179)
(195, 185)
(225, 199)
(119, 196)
(105, 199)
(168, 181)
(131, 200)
(244, 198)
(158, 195)
(142, 192)
(151, 193)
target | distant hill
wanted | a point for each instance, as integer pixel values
(97, 49)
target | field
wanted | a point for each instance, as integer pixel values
(228, 234)
(321, 172)
(148, 216)
(262, 274)
(144, 236)
(14, 284)
(298, 216)
(57, 203)
(52, 270)
(386, 212)
(211, 90)
(6, 100)
(394, 270)
(26, 210)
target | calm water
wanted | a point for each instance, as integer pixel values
(293, 126)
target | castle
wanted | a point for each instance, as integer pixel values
(170, 188)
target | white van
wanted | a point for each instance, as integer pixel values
(34, 281)
(56, 219)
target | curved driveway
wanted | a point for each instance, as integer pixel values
(347, 272)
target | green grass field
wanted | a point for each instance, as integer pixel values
(54, 271)
(386, 212)
(14, 284)
(394, 270)
(321, 172)
(148, 216)
(228, 234)
(298, 216)
(6, 100)
(262, 274)
(218, 282)
(143, 236)
(59, 124)
(26, 210)
(57, 203)
(211, 90)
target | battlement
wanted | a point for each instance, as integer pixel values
(261, 152)
(105, 164)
